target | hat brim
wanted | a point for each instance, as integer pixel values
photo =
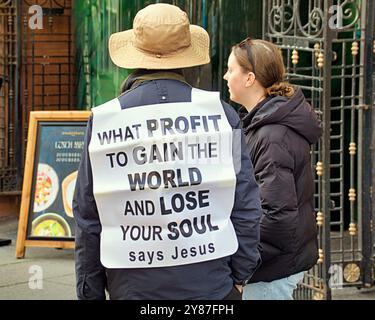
(124, 53)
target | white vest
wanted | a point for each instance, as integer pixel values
(163, 182)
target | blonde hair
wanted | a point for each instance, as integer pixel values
(265, 60)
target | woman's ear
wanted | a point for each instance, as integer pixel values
(250, 79)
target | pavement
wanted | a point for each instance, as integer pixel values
(48, 273)
(44, 273)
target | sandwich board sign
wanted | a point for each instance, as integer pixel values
(54, 148)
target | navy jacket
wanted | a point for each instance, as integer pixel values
(206, 280)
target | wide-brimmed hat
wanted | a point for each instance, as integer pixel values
(162, 38)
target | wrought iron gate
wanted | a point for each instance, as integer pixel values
(36, 66)
(329, 52)
(8, 93)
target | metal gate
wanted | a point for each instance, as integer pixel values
(8, 92)
(37, 71)
(329, 52)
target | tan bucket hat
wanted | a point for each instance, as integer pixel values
(161, 38)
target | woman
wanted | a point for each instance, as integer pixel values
(280, 127)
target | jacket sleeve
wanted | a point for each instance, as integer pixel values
(279, 199)
(90, 274)
(246, 212)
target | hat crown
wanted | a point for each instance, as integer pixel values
(161, 29)
(161, 38)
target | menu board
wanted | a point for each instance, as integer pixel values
(58, 151)
(54, 149)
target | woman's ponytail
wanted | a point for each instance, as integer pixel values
(282, 89)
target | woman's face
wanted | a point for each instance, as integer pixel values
(237, 79)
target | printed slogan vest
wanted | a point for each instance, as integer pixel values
(164, 182)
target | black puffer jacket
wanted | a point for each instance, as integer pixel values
(279, 132)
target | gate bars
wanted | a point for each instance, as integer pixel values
(9, 114)
(328, 50)
(37, 68)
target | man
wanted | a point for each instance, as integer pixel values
(164, 207)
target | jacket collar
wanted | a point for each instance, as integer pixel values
(247, 117)
(140, 76)
(294, 113)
